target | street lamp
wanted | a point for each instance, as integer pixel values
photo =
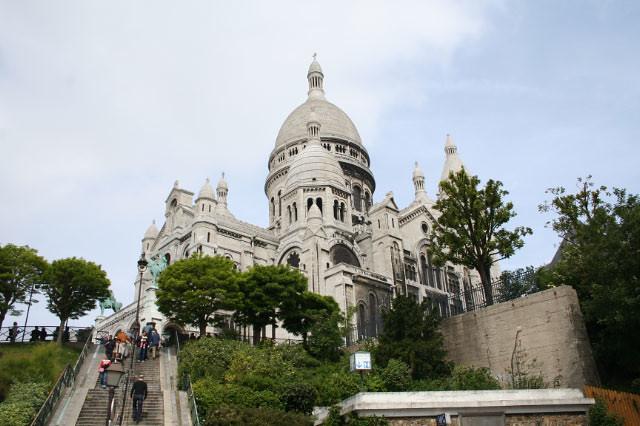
(142, 266)
(113, 374)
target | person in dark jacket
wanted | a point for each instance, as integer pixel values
(109, 346)
(139, 394)
(43, 334)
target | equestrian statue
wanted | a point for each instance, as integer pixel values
(110, 303)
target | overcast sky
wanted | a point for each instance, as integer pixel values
(103, 105)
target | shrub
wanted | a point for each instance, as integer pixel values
(22, 403)
(469, 378)
(208, 357)
(299, 397)
(233, 416)
(599, 416)
(396, 376)
(335, 419)
(211, 395)
(337, 386)
(325, 341)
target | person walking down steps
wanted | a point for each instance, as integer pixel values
(139, 394)
(104, 364)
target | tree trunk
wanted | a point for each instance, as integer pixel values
(203, 328)
(273, 331)
(256, 334)
(3, 313)
(485, 278)
(61, 330)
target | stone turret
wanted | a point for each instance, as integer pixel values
(452, 162)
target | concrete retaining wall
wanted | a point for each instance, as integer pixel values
(540, 334)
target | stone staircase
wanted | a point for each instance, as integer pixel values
(94, 409)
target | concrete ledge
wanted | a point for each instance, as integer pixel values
(430, 404)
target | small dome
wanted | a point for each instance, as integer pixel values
(314, 212)
(314, 67)
(335, 123)
(206, 191)
(417, 171)
(222, 183)
(314, 166)
(152, 231)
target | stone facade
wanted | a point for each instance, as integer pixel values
(322, 220)
(542, 334)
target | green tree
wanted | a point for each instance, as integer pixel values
(411, 335)
(470, 229)
(268, 293)
(519, 282)
(300, 314)
(326, 339)
(72, 287)
(599, 257)
(21, 271)
(190, 291)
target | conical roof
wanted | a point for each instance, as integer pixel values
(151, 232)
(206, 191)
(452, 162)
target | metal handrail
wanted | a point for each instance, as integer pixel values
(66, 379)
(24, 333)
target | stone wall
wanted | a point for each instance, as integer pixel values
(540, 334)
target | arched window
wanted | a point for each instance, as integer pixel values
(319, 203)
(209, 208)
(208, 237)
(289, 213)
(367, 201)
(293, 260)
(373, 306)
(295, 212)
(309, 203)
(343, 254)
(342, 209)
(273, 207)
(174, 202)
(357, 198)
(362, 321)
(336, 210)
(279, 204)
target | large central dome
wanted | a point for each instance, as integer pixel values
(334, 122)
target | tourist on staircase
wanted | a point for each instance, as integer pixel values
(102, 368)
(143, 345)
(109, 346)
(139, 394)
(154, 343)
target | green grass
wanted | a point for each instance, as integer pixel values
(33, 362)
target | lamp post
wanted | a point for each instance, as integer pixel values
(142, 266)
(113, 375)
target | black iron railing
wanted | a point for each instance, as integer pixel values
(509, 286)
(66, 379)
(28, 335)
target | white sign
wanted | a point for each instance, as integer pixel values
(360, 361)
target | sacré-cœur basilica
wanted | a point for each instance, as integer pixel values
(322, 220)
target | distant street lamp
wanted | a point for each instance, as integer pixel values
(142, 266)
(113, 374)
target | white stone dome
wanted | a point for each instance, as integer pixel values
(206, 191)
(152, 231)
(314, 166)
(334, 123)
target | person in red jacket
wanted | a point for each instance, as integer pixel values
(104, 364)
